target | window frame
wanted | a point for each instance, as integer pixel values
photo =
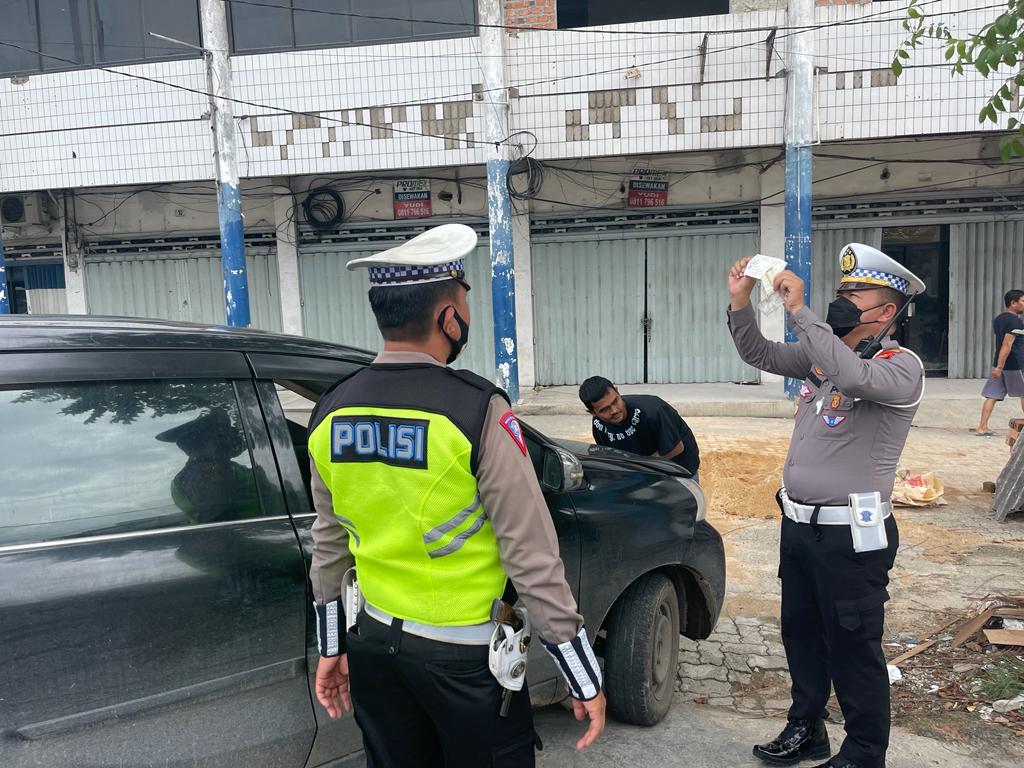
(236, 51)
(93, 45)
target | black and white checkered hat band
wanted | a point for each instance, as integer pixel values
(400, 274)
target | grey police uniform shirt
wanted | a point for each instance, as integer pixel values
(847, 438)
(512, 501)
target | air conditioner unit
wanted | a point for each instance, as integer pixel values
(20, 210)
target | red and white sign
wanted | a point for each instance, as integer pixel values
(412, 198)
(647, 189)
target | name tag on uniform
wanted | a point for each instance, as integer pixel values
(396, 442)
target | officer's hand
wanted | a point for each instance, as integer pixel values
(791, 288)
(594, 709)
(332, 687)
(740, 285)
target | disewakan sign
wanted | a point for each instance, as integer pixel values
(412, 198)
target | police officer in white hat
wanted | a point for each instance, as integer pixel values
(859, 394)
(422, 483)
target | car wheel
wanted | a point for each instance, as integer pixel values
(642, 651)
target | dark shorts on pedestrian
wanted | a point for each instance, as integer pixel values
(1010, 383)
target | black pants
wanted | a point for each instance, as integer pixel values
(833, 612)
(433, 705)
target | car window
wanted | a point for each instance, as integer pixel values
(98, 458)
(298, 399)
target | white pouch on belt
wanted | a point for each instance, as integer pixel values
(867, 522)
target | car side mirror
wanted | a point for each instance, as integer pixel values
(561, 472)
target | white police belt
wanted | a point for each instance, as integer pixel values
(827, 515)
(473, 634)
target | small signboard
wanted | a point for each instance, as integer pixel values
(647, 189)
(412, 198)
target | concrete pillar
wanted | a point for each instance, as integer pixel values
(524, 298)
(773, 243)
(74, 268)
(288, 261)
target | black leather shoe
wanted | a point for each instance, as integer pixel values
(799, 740)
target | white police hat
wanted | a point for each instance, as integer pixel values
(863, 266)
(429, 257)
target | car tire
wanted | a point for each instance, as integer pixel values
(642, 649)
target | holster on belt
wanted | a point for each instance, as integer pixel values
(509, 645)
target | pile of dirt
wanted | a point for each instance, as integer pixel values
(741, 483)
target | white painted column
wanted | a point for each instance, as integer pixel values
(288, 261)
(773, 243)
(74, 269)
(524, 298)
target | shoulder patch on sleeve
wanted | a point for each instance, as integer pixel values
(885, 354)
(511, 425)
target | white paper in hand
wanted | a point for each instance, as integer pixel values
(762, 266)
(765, 269)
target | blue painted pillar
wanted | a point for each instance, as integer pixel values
(799, 139)
(232, 254)
(5, 301)
(503, 284)
(499, 204)
(229, 197)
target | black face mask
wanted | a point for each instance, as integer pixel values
(844, 316)
(457, 344)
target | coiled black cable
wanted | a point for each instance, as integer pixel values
(323, 208)
(534, 172)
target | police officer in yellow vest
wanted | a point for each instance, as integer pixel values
(422, 481)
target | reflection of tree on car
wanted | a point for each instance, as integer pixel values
(127, 401)
(211, 488)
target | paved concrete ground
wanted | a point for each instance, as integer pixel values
(695, 736)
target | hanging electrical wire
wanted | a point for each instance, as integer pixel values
(533, 170)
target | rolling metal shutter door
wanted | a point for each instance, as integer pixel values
(986, 259)
(687, 299)
(177, 282)
(588, 307)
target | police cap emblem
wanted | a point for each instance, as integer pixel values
(848, 260)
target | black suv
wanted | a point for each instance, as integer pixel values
(155, 535)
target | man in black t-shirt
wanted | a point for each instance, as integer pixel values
(642, 424)
(1007, 376)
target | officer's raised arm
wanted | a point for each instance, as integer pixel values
(529, 553)
(753, 348)
(894, 378)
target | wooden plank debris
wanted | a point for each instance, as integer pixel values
(1011, 637)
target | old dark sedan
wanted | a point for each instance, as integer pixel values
(155, 534)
